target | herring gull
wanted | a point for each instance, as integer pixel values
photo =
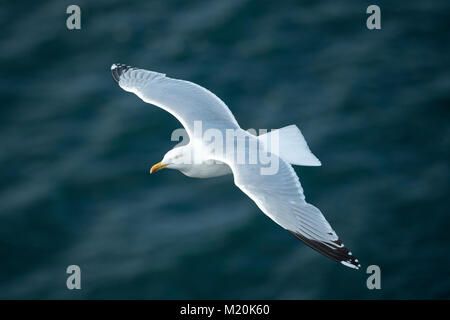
(278, 194)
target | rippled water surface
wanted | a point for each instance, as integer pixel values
(76, 149)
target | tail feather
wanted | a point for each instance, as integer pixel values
(289, 144)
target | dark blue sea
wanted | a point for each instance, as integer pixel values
(75, 149)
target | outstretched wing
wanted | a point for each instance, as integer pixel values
(185, 100)
(280, 196)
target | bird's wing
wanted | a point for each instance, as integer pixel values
(280, 196)
(185, 100)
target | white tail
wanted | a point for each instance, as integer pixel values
(292, 146)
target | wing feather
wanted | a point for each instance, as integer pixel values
(280, 196)
(185, 100)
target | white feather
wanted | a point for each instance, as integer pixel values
(291, 146)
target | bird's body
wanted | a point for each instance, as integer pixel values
(261, 165)
(207, 170)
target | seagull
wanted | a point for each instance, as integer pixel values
(278, 194)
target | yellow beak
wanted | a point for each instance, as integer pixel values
(158, 167)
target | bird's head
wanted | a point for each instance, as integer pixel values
(174, 159)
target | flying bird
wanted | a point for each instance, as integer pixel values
(279, 195)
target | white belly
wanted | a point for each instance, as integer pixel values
(209, 170)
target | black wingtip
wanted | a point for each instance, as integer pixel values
(340, 254)
(117, 69)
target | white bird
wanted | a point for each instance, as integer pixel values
(279, 196)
